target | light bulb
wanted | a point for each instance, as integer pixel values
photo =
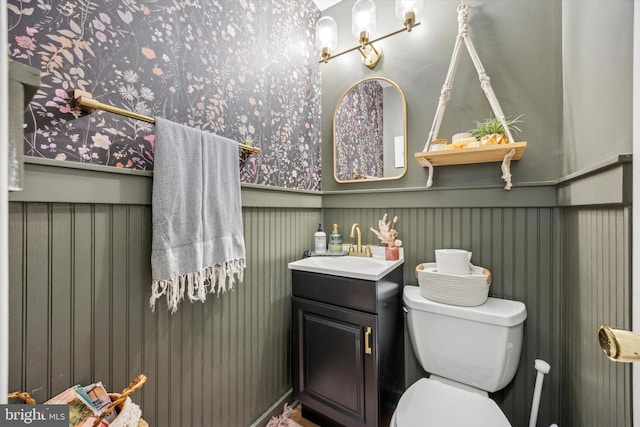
(363, 19)
(326, 33)
(408, 10)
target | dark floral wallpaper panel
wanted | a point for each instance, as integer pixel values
(244, 69)
(359, 131)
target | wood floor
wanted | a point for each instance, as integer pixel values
(297, 417)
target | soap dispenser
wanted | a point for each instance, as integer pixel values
(335, 240)
(320, 239)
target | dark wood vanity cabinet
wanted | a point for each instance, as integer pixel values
(348, 361)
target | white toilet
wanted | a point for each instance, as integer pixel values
(469, 352)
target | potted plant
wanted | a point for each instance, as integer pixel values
(491, 131)
(388, 235)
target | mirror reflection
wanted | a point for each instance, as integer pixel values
(370, 132)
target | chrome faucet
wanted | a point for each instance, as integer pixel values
(358, 250)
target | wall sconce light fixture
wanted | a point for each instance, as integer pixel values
(363, 24)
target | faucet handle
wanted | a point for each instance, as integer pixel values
(367, 251)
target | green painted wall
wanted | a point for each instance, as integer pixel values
(597, 37)
(79, 288)
(559, 241)
(571, 268)
(522, 58)
(79, 282)
(596, 290)
(520, 246)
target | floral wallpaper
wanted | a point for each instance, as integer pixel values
(359, 133)
(244, 69)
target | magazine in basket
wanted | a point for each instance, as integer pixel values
(85, 404)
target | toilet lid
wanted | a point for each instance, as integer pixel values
(430, 403)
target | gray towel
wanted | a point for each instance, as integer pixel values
(198, 242)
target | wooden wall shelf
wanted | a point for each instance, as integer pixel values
(494, 153)
(466, 156)
(504, 153)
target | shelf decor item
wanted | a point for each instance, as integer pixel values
(471, 154)
(491, 131)
(388, 235)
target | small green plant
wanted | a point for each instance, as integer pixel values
(492, 125)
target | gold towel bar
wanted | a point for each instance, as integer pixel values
(84, 99)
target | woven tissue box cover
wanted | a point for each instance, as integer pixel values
(455, 289)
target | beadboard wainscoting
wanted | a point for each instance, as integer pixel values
(80, 274)
(521, 248)
(567, 259)
(597, 290)
(80, 286)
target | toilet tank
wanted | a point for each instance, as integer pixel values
(478, 346)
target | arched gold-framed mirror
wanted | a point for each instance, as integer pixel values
(370, 132)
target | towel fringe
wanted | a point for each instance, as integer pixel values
(218, 278)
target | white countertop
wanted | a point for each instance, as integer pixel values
(367, 268)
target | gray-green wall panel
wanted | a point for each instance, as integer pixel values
(526, 78)
(521, 248)
(79, 292)
(119, 287)
(17, 297)
(81, 285)
(102, 302)
(37, 293)
(61, 337)
(596, 246)
(66, 258)
(571, 268)
(235, 349)
(597, 46)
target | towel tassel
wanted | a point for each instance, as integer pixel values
(220, 278)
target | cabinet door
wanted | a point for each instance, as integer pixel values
(334, 362)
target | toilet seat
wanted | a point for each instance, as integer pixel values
(431, 403)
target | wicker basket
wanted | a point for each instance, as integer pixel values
(463, 290)
(118, 400)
